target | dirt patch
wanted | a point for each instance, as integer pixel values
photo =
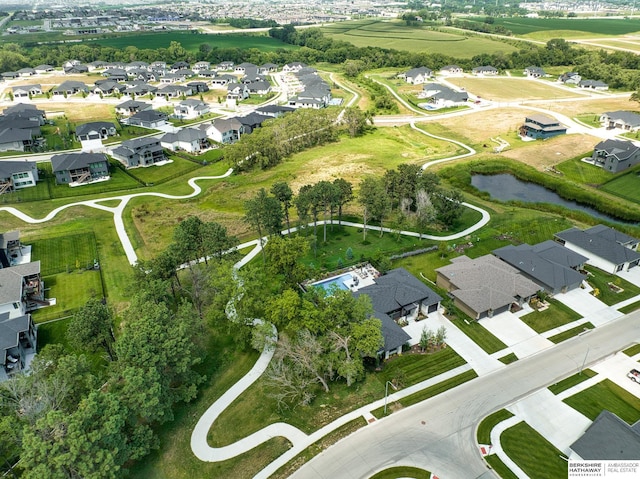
(595, 106)
(481, 126)
(541, 154)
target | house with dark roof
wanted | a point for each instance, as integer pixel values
(484, 71)
(484, 286)
(192, 140)
(608, 438)
(95, 130)
(223, 80)
(173, 91)
(80, 168)
(251, 121)
(622, 120)
(18, 343)
(535, 72)
(541, 127)
(398, 295)
(442, 96)
(267, 68)
(76, 69)
(198, 86)
(259, 87)
(17, 174)
(615, 155)
(26, 72)
(44, 69)
(451, 70)
(550, 265)
(570, 78)
(223, 130)
(417, 76)
(190, 109)
(15, 139)
(593, 84)
(69, 87)
(21, 289)
(275, 111)
(607, 249)
(130, 107)
(23, 110)
(25, 91)
(139, 152)
(147, 119)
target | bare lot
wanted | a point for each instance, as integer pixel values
(512, 89)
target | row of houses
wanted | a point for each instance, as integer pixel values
(20, 127)
(512, 275)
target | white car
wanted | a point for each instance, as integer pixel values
(634, 375)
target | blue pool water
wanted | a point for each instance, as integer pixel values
(338, 281)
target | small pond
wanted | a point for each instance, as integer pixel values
(506, 187)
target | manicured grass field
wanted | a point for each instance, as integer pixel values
(581, 172)
(633, 350)
(499, 467)
(191, 41)
(556, 315)
(396, 35)
(571, 381)
(71, 290)
(402, 471)
(511, 89)
(33, 193)
(63, 254)
(570, 27)
(483, 434)
(159, 174)
(599, 279)
(414, 368)
(626, 186)
(479, 334)
(536, 456)
(570, 333)
(606, 395)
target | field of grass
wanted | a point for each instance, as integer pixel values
(159, 174)
(191, 41)
(536, 456)
(599, 279)
(483, 433)
(396, 35)
(570, 333)
(414, 368)
(63, 254)
(547, 28)
(618, 43)
(568, 383)
(626, 186)
(511, 89)
(606, 395)
(581, 172)
(71, 290)
(555, 315)
(479, 334)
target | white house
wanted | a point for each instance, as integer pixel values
(192, 140)
(15, 175)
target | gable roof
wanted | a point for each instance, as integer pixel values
(185, 134)
(12, 135)
(394, 336)
(629, 117)
(612, 234)
(72, 161)
(414, 72)
(599, 244)
(10, 330)
(621, 149)
(609, 438)
(93, 126)
(11, 281)
(8, 168)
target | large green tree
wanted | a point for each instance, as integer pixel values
(91, 328)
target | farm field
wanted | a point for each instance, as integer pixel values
(512, 89)
(544, 29)
(628, 43)
(192, 41)
(397, 36)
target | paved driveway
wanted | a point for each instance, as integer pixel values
(588, 306)
(520, 338)
(633, 275)
(616, 369)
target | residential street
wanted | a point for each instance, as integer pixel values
(439, 434)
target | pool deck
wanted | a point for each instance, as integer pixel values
(361, 277)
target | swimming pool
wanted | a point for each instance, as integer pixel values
(338, 281)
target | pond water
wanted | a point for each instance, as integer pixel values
(507, 187)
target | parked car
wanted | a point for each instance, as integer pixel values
(634, 375)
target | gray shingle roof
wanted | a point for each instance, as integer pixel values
(72, 161)
(629, 117)
(8, 168)
(609, 438)
(599, 246)
(185, 134)
(11, 281)
(93, 126)
(612, 234)
(10, 330)
(11, 135)
(394, 336)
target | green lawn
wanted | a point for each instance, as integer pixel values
(71, 290)
(599, 279)
(119, 181)
(499, 467)
(402, 471)
(54, 332)
(508, 359)
(159, 174)
(191, 41)
(581, 172)
(570, 333)
(536, 456)
(34, 193)
(63, 254)
(431, 391)
(630, 308)
(483, 433)
(606, 395)
(479, 334)
(633, 350)
(568, 383)
(555, 315)
(626, 186)
(414, 368)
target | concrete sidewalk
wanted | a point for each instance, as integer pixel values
(520, 338)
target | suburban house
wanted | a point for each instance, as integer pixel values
(108, 87)
(267, 68)
(69, 87)
(26, 72)
(484, 70)
(251, 121)
(80, 168)
(398, 296)
(147, 119)
(550, 265)
(485, 286)
(190, 109)
(18, 342)
(607, 249)
(207, 74)
(616, 155)
(237, 91)
(16, 139)
(442, 96)
(535, 72)
(44, 69)
(12, 251)
(593, 84)
(417, 76)
(224, 66)
(10, 75)
(202, 65)
(275, 111)
(293, 67)
(140, 88)
(451, 70)
(173, 91)
(223, 130)
(139, 152)
(21, 289)
(76, 69)
(17, 174)
(25, 91)
(171, 78)
(259, 87)
(223, 80)
(570, 78)
(198, 86)
(131, 107)
(192, 140)
(622, 120)
(243, 67)
(608, 438)
(541, 127)
(96, 130)
(23, 110)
